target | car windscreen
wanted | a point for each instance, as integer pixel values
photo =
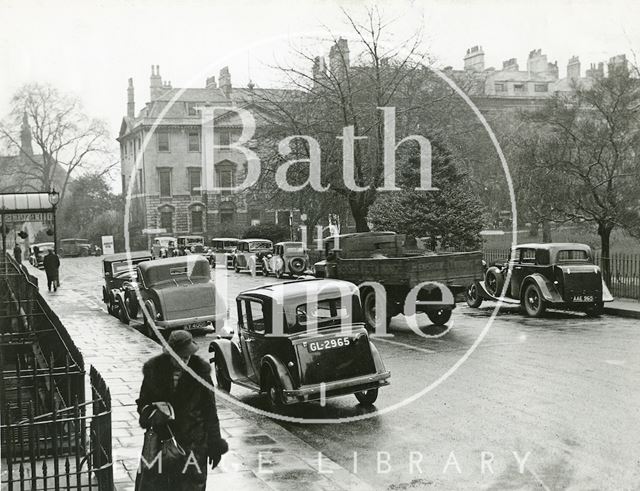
(254, 246)
(572, 255)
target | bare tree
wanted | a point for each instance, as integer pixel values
(348, 92)
(594, 141)
(66, 140)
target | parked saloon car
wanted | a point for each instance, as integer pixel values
(555, 275)
(121, 284)
(163, 247)
(249, 254)
(178, 293)
(287, 258)
(319, 349)
(37, 253)
(225, 246)
(75, 247)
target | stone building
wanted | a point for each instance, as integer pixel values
(168, 160)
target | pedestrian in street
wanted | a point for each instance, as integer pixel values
(17, 252)
(191, 417)
(51, 264)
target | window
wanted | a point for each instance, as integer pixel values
(194, 141)
(140, 183)
(500, 87)
(191, 108)
(254, 217)
(227, 217)
(225, 176)
(196, 220)
(541, 88)
(163, 140)
(166, 220)
(528, 256)
(255, 317)
(194, 182)
(165, 182)
(569, 255)
(282, 218)
(225, 137)
(518, 88)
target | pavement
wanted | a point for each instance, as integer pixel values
(623, 308)
(262, 455)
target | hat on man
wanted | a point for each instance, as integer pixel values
(182, 343)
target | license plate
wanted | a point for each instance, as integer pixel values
(583, 298)
(194, 326)
(327, 344)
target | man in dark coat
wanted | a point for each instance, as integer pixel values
(195, 425)
(17, 252)
(51, 263)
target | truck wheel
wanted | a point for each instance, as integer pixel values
(472, 296)
(533, 302)
(273, 391)
(367, 397)
(369, 310)
(123, 315)
(439, 317)
(494, 282)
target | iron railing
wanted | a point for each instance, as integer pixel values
(52, 437)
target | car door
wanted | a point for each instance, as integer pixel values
(524, 264)
(253, 337)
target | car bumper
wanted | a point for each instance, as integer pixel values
(334, 389)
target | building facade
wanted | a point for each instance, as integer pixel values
(170, 169)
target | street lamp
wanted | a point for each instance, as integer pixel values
(54, 198)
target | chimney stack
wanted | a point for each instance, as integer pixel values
(225, 81)
(155, 82)
(131, 104)
(573, 68)
(474, 59)
(510, 65)
(211, 82)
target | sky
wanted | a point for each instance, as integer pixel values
(90, 48)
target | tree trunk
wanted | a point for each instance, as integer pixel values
(546, 231)
(604, 231)
(359, 212)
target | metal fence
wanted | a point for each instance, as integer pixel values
(52, 437)
(624, 274)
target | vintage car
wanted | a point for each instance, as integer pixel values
(178, 293)
(553, 275)
(249, 254)
(75, 247)
(37, 253)
(163, 247)
(300, 341)
(288, 258)
(119, 291)
(226, 247)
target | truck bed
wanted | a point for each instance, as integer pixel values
(455, 269)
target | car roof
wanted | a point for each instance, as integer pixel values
(190, 237)
(123, 256)
(255, 240)
(300, 289)
(226, 238)
(555, 245)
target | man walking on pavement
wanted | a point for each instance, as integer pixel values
(17, 252)
(51, 265)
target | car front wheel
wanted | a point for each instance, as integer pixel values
(367, 397)
(222, 378)
(534, 304)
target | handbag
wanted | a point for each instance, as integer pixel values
(172, 456)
